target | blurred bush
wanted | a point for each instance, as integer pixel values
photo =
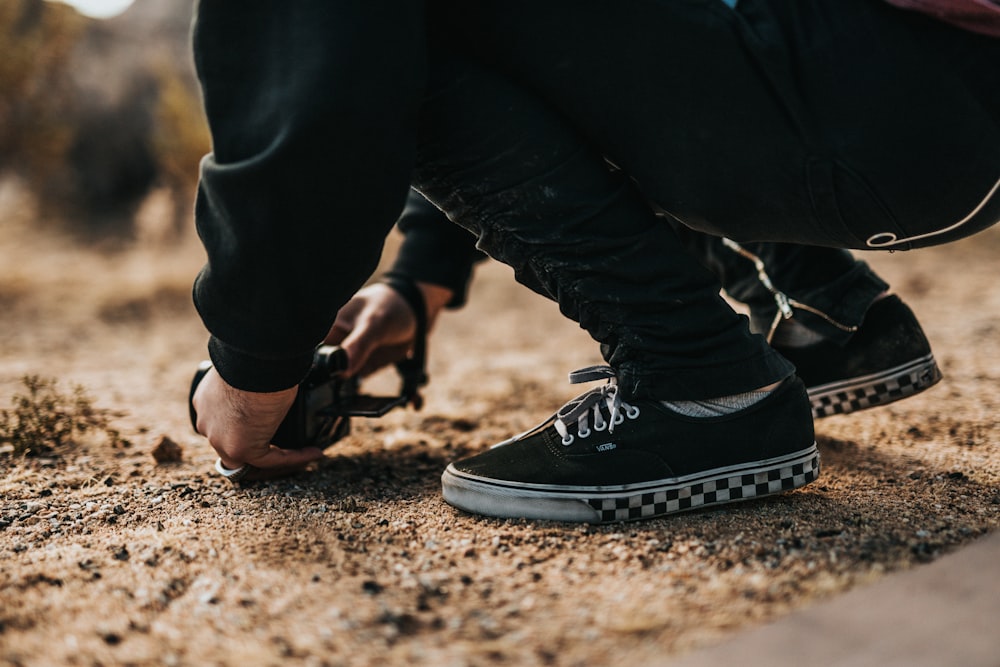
(36, 40)
(96, 115)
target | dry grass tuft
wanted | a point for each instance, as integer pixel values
(43, 419)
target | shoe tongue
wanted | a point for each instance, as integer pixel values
(572, 411)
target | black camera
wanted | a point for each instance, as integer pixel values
(326, 401)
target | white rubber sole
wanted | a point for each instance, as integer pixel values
(603, 504)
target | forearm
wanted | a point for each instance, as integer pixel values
(311, 113)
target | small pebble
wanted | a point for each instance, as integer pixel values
(167, 451)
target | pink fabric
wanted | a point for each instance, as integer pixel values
(982, 16)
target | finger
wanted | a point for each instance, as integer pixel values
(273, 464)
(337, 334)
(277, 458)
(257, 474)
(383, 356)
(359, 345)
(346, 320)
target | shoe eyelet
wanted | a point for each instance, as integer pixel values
(567, 440)
(619, 418)
(632, 412)
(601, 425)
(584, 433)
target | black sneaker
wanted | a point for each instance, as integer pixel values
(600, 459)
(888, 358)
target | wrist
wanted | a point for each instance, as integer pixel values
(252, 374)
(430, 298)
(436, 298)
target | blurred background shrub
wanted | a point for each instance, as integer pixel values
(98, 115)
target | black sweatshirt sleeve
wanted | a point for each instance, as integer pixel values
(435, 250)
(312, 108)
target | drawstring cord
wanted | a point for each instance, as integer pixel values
(783, 301)
(889, 239)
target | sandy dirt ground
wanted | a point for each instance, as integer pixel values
(107, 558)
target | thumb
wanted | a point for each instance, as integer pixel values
(359, 345)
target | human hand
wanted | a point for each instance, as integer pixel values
(377, 327)
(239, 426)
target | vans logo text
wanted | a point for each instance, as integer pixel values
(606, 447)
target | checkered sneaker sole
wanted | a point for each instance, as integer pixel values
(634, 501)
(726, 489)
(860, 393)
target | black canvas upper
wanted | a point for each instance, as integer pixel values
(658, 444)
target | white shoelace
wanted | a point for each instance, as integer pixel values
(585, 407)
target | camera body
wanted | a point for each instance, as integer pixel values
(326, 401)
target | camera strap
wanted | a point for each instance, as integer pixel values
(413, 369)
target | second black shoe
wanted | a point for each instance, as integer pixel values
(889, 358)
(599, 459)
